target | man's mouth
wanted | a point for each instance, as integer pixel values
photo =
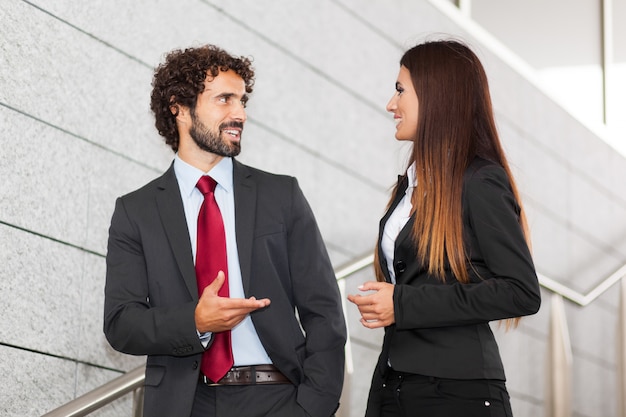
(234, 133)
(232, 129)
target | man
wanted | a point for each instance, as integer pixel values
(208, 265)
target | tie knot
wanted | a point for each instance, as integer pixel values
(206, 184)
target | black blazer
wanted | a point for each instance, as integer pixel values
(151, 292)
(441, 329)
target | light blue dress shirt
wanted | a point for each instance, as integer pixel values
(247, 348)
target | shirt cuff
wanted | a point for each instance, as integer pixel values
(205, 338)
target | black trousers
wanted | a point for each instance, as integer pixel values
(276, 400)
(400, 394)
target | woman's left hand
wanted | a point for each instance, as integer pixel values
(377, 308)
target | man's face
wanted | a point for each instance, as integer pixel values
(219, 116)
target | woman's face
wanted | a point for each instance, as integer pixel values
(405, 106)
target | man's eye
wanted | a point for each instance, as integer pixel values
(244, 103)
(223, 99)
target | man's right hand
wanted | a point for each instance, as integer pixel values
(217, 314)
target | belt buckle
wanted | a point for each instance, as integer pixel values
(209, 382)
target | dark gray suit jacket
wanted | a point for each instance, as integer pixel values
(442, 328)
(151, 292)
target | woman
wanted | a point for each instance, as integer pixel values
(452, 252)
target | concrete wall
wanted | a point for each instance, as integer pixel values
(76, 132)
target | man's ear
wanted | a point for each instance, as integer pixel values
(180, 112)
(176, 108)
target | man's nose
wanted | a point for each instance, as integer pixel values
(239, 112)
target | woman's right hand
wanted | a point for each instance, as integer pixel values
(377, 308)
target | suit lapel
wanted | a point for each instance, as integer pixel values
(172, 214)
(405, 232)
(402, 184)
(245, 190)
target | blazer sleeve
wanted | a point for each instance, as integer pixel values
(132, 324)
(504, 282)
(318, 302)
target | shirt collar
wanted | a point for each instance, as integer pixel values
(188, 175)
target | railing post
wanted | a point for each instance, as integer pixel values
(344, 408)
(558, 398)
(138, 402)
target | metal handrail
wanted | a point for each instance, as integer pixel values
(353, 267)
(102, 396)
(576, 297)
(134, 379)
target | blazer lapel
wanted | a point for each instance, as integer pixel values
(170, 206)
(402, 184)
(245, 208)
(405, 232)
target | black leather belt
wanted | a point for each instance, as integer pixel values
(249, 375)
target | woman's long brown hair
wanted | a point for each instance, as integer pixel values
(455, 125)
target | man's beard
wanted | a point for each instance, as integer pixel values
(208, 141)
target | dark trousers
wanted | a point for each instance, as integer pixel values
(276, 400)
(400, 394)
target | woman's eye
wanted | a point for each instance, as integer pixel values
(399, 88)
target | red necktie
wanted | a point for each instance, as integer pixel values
(210, 259)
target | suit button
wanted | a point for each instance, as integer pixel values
(195, 365)
(400, 266)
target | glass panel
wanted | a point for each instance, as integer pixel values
(617, 74)
(561, 39)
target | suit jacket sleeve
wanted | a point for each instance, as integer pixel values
(503, 279)
(318, 302)
(133, 323)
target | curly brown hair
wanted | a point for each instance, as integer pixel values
(180, 79)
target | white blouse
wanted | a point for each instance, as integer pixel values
(397, 221)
